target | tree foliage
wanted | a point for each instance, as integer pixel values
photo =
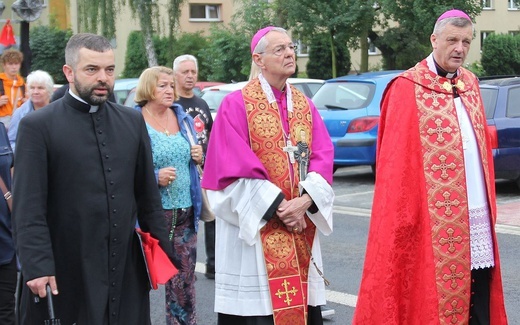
(501, 54)
(47, 45)
(228, 57)
(409, 41)
(135, 56)
(341, 21)
(320, 58)
(167, 50)
(97, 15)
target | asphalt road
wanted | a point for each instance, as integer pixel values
(343, 251)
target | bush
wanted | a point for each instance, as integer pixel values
(501, 54)
(227, 57)
(192, 43)
(320, 59)
(48, 50)
(166, 50)
(135, 57)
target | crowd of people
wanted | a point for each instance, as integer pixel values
(88, 171)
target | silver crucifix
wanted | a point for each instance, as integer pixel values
(290, 149)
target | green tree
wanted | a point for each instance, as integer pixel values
(320, 58)
(339, 22)
(501, 54)
(400, 48)
(135, 56)
(95, 15)
(227, 57)
(187, 43)
(409, 41)
(194, 44)
(100, 14)
(47, 45)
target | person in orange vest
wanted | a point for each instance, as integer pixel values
(12, 87)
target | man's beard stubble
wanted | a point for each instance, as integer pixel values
(87, 93)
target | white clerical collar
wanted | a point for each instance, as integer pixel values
(431, 65)
(266, 87)
(93, 108)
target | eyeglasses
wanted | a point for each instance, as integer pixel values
(280, 49)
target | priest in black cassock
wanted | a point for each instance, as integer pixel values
(84, 175)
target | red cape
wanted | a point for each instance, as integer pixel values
(402, 279)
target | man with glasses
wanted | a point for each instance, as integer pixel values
(268, 172)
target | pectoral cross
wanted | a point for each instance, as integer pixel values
(290, 149)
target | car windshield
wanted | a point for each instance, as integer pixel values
(344, 95)
(489, 99)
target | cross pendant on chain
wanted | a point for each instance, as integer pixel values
(290, 149)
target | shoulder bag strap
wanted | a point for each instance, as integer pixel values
(192, 142)
(7, 194)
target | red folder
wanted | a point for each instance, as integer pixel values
(160, 268)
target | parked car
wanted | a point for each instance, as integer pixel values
(214, 95)
(122, 87)
(199, 86)
(349, 106)
(501, 98)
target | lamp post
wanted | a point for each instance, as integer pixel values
(28, 11)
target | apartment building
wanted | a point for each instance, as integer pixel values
(497, 16)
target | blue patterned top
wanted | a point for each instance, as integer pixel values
(172, 151)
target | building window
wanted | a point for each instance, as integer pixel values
(203, 12)
(372, 49)
(303, 49)
(512, 5)
(487, 4)
(483, 36)
(514, 32)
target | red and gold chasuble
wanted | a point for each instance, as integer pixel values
(443, 159)
(287, 255)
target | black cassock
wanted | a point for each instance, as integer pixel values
(81, 179)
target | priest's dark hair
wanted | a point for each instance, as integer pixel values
(89, 41)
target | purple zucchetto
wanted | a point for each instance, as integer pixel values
(454, 13)
(258, 36)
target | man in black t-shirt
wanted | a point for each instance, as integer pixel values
(186, 72)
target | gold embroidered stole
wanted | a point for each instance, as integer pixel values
(287, 255)
(446, 182)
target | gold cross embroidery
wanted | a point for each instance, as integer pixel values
(287, 292)
(451, 240)
(435, 97)
(444, 167)
(439, 130)
(447, 203)
(453, 313)
(453, 277)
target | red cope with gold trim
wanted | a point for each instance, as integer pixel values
(287, 255)
(443, 159)
(418, 261)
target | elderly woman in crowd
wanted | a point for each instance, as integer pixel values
(175, 161)
(39, 89)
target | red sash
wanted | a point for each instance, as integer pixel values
(445, 182)
(287, 255)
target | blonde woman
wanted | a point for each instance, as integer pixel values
(175, 163)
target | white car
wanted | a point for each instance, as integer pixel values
(214, 95)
